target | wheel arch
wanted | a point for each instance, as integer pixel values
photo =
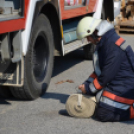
(51, 10)
(108, 10)
(51, 13)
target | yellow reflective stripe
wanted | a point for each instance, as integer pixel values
(61, 27)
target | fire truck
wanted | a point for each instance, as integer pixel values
(32, 32)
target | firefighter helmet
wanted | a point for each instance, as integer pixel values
(87, 26)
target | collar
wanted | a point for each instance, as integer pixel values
(105, 37)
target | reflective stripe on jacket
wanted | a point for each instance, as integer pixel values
(118, 102)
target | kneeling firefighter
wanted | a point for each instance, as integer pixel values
(112, 81)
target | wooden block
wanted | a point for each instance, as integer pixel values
(123, 3)
(128, 9)
(132, 11)
(130, 18)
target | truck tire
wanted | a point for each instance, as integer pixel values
(38, 61)
(88, 51)
(5, 92)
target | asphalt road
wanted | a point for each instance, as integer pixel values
(47, 114)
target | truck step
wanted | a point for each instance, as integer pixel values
(75, 45)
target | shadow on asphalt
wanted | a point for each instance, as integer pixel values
(4, 102)
(57, 96)
(130, 122)
(63, 112)
(61, 64)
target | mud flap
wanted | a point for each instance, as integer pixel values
(12, 74)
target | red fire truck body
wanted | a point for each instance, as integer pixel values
(10, 25)
(32, 32)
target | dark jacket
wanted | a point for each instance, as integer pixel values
(117, 74)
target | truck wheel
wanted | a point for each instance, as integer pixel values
(5, 92)
(38, 61)
(88, 51)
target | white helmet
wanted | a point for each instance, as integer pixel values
(88, 25)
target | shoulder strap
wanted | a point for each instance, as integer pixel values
(121, 43)
(125, 47)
